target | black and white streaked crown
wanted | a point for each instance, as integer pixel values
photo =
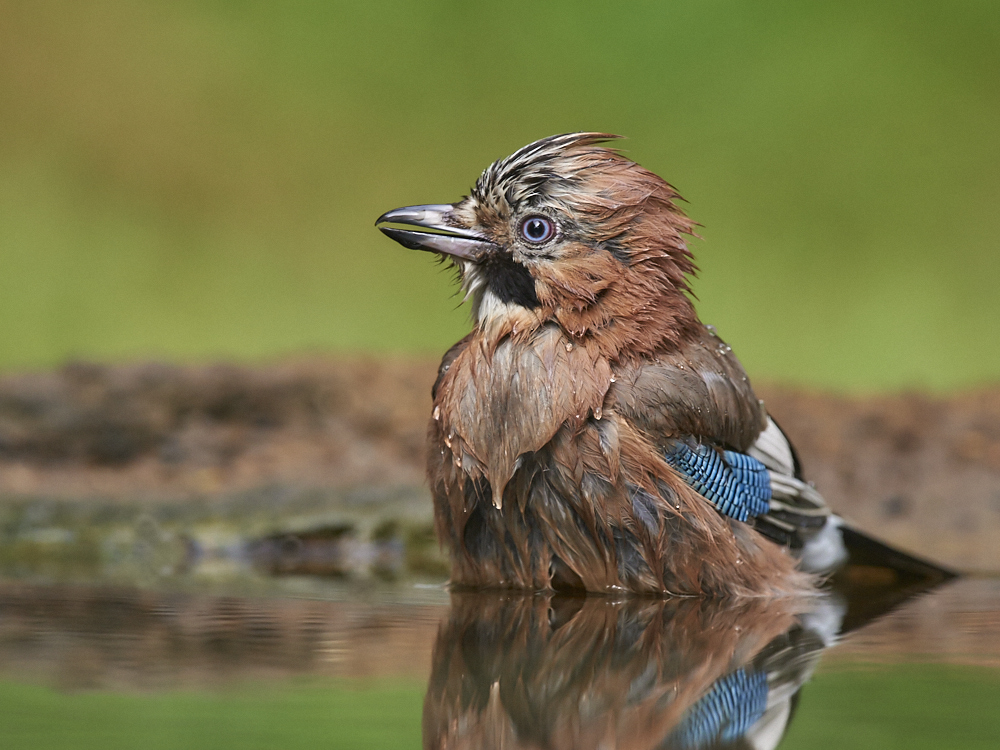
(537, 170)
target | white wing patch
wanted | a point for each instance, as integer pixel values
(824, 550)
(772, 449)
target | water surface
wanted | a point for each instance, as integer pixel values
(117, 667)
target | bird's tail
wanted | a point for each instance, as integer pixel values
(865, 551)
(877, 578)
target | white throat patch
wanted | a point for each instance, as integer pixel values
(487, 308)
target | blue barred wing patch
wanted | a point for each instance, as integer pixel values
(736, 484)
(724, 713)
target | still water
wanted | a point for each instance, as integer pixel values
(865, 665)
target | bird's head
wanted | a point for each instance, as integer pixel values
(569, 232)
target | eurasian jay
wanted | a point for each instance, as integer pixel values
(591, 432)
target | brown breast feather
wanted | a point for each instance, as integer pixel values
(593, 432)
(493, 406)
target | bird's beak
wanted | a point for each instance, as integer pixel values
(444, 238)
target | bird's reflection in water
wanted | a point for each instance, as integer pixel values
(522, 671)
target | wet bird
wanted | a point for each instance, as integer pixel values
(590, 432)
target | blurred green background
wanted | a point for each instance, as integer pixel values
(891, 707)
(197, 179)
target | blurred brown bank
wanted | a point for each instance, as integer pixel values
(920, 471)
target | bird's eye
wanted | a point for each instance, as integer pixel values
(537, 229)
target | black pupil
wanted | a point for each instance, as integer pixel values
(536, 229)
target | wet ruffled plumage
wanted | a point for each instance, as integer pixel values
(558, 420)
